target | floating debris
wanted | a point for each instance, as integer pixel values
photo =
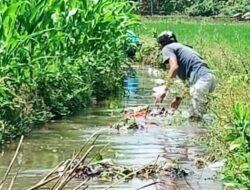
(159, 111)
(159, 82)
(140, 111)
(125, 124)
(200, 163)
(141, 117)
(104, 170)
(217, 166)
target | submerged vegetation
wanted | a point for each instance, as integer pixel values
(225, 47)
(56, 55)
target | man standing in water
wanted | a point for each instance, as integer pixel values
(187, 64)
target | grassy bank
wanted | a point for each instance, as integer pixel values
(232, 35)
(226, 48)
(55, 56)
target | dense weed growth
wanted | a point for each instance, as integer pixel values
(55, 55)
(225, 47)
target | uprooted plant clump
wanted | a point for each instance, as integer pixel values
(144, 117)
(139, 118)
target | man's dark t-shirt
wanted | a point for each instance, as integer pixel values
(191, 65)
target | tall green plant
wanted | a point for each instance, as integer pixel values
(57, 54)
(237, 169)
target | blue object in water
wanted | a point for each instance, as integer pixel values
(131, 84)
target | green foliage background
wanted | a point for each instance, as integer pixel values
(195, 7)
(57, 54)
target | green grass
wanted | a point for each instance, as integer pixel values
(232, 34)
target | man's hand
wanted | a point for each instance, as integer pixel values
(175, 103)
(160, 93)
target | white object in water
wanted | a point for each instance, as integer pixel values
(159, 82)
(154, 72)
(160, 92)
(160, 89)
(150, 71)
(217, 165)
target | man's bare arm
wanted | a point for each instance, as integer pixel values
(173, 63)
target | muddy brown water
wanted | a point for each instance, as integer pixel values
(44, 148)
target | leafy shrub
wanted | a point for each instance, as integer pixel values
(195, 7)
(237, 170)
(57, 55)
(204, 8)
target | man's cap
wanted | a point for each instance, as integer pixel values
(166, 37)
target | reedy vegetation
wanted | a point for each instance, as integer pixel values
(55, 55)
(225, 47)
